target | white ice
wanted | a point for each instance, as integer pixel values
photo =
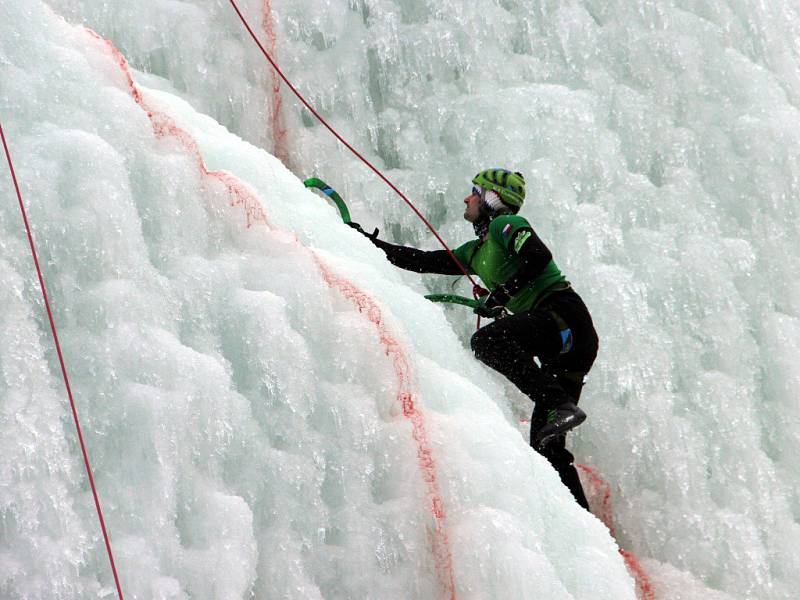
(242, 415)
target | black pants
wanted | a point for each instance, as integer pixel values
(509, 345)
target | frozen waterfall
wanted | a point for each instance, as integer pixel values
(273, 411)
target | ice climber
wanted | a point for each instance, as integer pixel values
(535, 310)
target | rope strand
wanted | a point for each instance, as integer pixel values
(349, 147)
(63, 367)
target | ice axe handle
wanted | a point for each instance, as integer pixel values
(331, 193)
(453, 299)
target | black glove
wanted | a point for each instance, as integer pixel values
(493, 305)
(370, 236)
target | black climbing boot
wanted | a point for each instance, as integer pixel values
(560, 419)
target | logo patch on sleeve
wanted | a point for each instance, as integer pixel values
(521, 239)
(507, 230)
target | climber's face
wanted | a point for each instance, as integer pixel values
(473, 206)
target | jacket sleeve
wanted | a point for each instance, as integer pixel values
(518, 238)
(419, 261)
(533, 256)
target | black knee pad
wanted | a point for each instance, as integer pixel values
(480, 342)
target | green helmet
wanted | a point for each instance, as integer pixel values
(510, 186)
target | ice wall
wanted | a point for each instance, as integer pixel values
(271, 412)
(659, 140)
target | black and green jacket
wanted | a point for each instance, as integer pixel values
(511, 256)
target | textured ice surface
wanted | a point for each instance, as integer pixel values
(253, 433)
(659, 140)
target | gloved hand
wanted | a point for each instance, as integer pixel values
(494, 312)
(371, 236)
(493, 305)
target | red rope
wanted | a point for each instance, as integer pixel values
(241, 196)
(319, 117)
(63, 367)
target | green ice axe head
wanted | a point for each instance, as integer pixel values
(331, 193)
(453, 299)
